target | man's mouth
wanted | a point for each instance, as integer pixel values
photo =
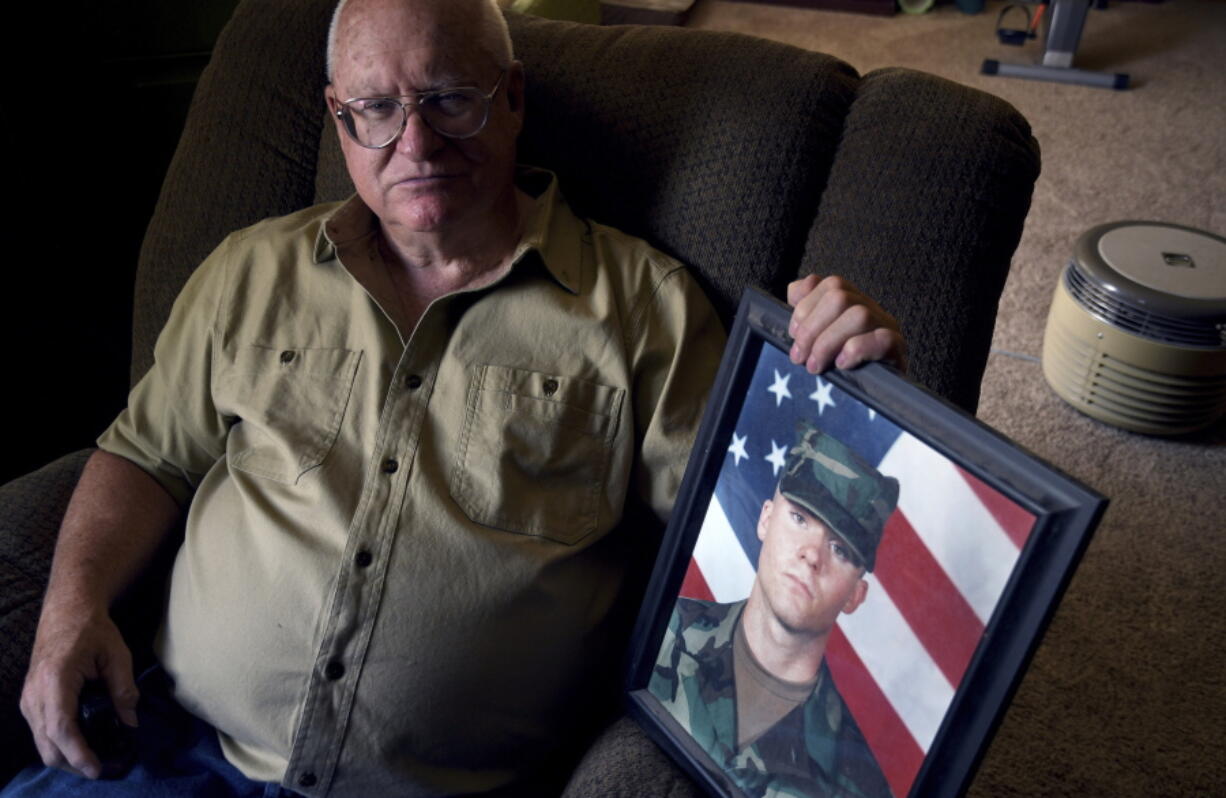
(427, 176)
(802, 584)
(420, 181)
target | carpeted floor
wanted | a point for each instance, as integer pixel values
(1127, 694)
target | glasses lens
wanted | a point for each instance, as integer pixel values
(373, 122)
(458, 113)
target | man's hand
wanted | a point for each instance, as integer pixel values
(71, 648)
(116, 518)
(833, 323)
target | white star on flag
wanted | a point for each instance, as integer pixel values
(780, 388)
(777, 458)
(822, 395)
(738, 448)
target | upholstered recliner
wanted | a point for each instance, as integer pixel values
(751, 162)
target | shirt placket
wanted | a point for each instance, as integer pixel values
(353, 606)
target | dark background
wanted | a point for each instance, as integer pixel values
(95, 97)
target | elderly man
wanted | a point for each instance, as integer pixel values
(421, 439)
(748, 680)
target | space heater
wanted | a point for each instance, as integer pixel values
(1136, 335)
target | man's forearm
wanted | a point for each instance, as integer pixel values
(116, 519)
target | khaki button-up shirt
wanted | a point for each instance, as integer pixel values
(405, 559)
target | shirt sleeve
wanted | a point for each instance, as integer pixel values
(678, 342)
(170, 427)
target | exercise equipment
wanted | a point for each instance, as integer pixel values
(1065, 22)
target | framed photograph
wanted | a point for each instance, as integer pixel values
(854, 578)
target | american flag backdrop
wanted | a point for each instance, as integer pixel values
(942, 564)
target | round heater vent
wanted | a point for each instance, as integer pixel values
(1136, 335)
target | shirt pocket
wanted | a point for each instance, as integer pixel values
(534, 452)
(290, 403)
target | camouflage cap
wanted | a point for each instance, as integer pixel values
(833, 483)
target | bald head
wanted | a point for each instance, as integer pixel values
(478, 21)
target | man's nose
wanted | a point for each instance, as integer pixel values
(418, 141)
(814, 553)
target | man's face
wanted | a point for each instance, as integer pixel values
(807, 574)
(424, 182)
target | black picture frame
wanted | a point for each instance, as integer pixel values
(1047, 516)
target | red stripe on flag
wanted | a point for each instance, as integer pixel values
(944, 622)
(1016, 522)
(694, 585)
(897, 752)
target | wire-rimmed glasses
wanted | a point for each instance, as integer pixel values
(459, 112)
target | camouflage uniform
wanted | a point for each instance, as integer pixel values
(815, 750)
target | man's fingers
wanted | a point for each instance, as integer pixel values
(834, 324)
(61, 729)
(814, 313)
(824, 320)
(34, 708)
(829, 343)
(878, 344)
(850, 341)
(813, 299)
(47, 751)
(798, 289)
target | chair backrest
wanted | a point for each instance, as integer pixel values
(923, 208)
(750, 161)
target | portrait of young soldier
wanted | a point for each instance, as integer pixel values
(748, 680)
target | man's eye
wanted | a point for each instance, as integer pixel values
(377, 108)
(451, 103)
(844, 553)
(797, 518)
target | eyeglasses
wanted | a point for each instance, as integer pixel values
(457, 113)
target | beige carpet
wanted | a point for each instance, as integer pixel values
(1127, 694)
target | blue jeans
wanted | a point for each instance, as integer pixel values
(178, 756)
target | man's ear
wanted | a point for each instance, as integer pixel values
(858, 594)
(333, 103)
(764, 518)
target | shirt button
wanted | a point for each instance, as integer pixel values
(412, 382)
(287, 356)
(363, 559)
(334, 670)
(307, 779)
(551, 387)
(390, 465)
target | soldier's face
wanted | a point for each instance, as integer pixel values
(807, 573)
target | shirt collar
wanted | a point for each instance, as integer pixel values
(350, 221)
(551, 231)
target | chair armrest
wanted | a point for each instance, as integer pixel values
(923, 210)
(625, 763)
(31, 508)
